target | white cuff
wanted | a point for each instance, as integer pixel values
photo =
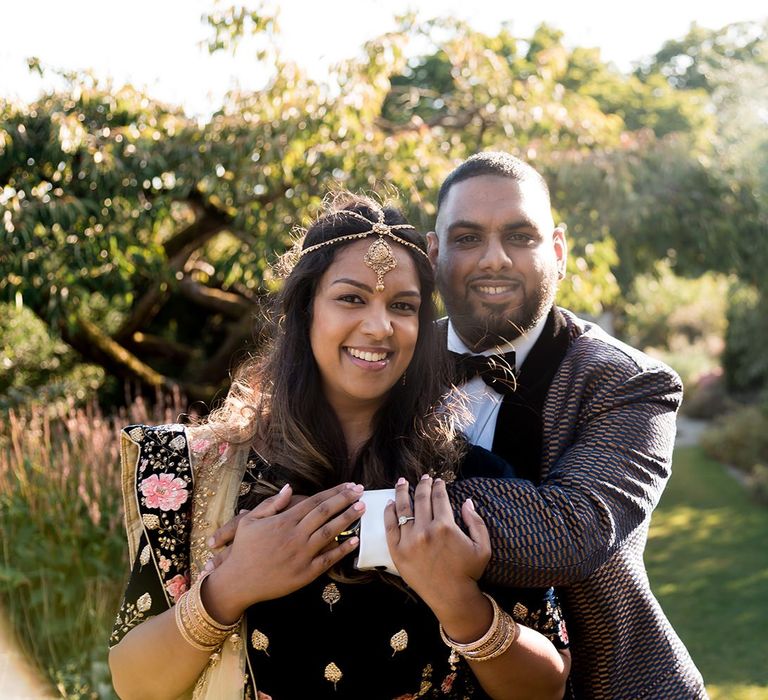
(374, 550)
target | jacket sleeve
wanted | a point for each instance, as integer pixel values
(611, 469)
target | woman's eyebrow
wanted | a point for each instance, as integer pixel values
(354, 283)
(365, 287)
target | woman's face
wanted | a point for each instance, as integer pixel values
(363, 340)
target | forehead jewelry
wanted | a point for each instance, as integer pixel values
(379, 256)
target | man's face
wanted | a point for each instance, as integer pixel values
(497, 257)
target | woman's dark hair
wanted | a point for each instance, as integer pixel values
(292, 424)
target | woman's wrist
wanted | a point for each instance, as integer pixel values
(218, 599)
(466, 615)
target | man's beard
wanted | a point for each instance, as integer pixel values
(483, 325)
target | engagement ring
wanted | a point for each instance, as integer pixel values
(403, 519)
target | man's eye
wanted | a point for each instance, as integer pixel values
(466, 239)
(520, 238)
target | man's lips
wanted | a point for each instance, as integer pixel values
(496, 289)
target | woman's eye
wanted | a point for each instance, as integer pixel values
(351, 298)
(404, 306)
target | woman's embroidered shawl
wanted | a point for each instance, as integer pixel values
(179, 484)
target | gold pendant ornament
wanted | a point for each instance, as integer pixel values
(260, 641)
(380, 259)
(399, 641)
(379, 256)
(333, 674)
(331, 595)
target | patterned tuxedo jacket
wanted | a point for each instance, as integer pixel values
(608, 434)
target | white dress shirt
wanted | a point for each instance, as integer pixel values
(482, 401)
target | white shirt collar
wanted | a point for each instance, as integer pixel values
(522, 345)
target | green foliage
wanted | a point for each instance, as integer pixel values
(703, 58)
(63, 554)
(36, 366)
(745, 361)
(678, 319)
(740, 438)
(589, 286)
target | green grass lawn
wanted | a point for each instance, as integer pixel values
(707, 559)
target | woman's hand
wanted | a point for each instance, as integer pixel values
(275, 551)
(434, 556)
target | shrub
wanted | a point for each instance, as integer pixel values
(745, 360)
(740, 439)
(63, 558)
(682, 321)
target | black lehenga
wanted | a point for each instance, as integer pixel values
(363, 641)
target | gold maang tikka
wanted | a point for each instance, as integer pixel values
(379, 256)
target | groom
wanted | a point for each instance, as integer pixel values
(588, 422)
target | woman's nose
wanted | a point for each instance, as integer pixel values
(377, 323)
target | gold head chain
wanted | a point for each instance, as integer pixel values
(379, 256)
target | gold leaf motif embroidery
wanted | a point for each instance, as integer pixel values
(331, 594)
(519, 611)
(145, 554)
(333, 674)
(137, 434)
(151, 521)
(399, 641)
(177, 443)
(244, 488)
(260, 641)
(144, 602)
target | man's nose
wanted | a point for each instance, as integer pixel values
(494, 256)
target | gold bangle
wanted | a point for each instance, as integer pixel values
(183, 626)
(195, 625)
(500, 636)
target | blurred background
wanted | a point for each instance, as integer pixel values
(155, 158)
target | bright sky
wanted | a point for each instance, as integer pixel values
(156, 43)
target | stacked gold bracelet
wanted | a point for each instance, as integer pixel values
(500, 636)
(197, 627)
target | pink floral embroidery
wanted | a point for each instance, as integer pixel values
(200, 445)
(176, 586)
(164, 491)
(222, 448)
(164, 563)
(563, 632)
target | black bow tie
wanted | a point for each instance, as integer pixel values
(497, 371)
